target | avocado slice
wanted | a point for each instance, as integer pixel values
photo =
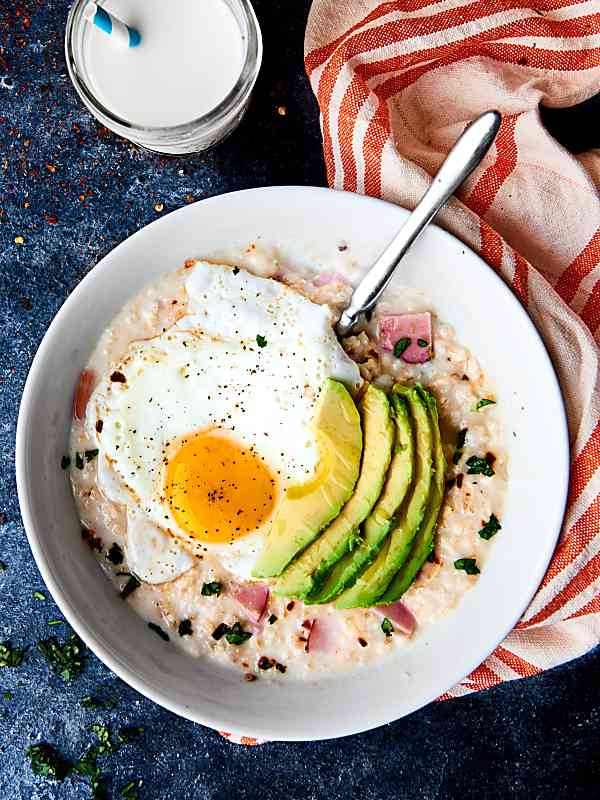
(379, 522)
(375, 580)
(424, 540)
(308, 507)
(307, 572)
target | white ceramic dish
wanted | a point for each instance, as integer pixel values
(486, 317)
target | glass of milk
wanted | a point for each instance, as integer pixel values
(184, 87)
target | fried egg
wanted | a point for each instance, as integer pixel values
(204, 426)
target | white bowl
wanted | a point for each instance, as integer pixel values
(486, 316)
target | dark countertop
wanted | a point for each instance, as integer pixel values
(72, 191)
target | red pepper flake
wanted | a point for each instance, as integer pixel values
(280, 668)
(290, 605)
(249, 677)
(118, 377)
(99, 426)
(265, 663)
(362, 642)
(94, 542)
(459, 480)
(490, 458)
(307, 624)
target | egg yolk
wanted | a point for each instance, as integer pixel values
(218, 490)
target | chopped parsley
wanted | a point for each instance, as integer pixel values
(422, 342)
(480, 466)
(45, 761)
(67, 659)
(401, 345)
(272, 619)
(261, 341)
(10, 656)
(130, 790)
(38, 596)
(237, 635)
(484, 402)
(461, 437)
(468, 564)
(78, 460)
(115, 554)
(387, 627)
(212, 588)
(65, 462)
(158, 631)
(130, 587)
(491, 527)
(90, 455)
(3, 566)
(185, 627)
(130, 733)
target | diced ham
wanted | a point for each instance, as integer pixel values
(324, 636)
(413, 327)
(253, 597)
(326, 278)
(402, 617)
(83, 393)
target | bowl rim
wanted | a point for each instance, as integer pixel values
(78, 623)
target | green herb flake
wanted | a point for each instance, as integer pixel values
(210, 589)
(185, 627)
(131, 733)
(78, 460)
(46, 762)
(422, 342)
(10, 656)
(38, 596)
(130, 587)
(387, 627)
(90, 455)
(484, 402)
(105, 743)
(130, 790)
(469, 565)
(261, 341)
(480, 466)
(65, 462)
(401, 345)
(3, 566)
(491, 527)
(115, 554)
(89, 701)
(461, 438)
(272, 619)
(7, 695)
(158, 631)
(237, 635)
(67, 659)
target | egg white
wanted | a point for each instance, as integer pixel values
(208, 371)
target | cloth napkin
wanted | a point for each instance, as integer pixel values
(396, 84)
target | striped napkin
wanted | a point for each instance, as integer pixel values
(396, 83)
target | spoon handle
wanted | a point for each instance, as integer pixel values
(460, 162)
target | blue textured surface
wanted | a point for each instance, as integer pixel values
(72, 191)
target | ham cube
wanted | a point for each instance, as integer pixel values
(253, 597)
(409, 336)
(403, 619)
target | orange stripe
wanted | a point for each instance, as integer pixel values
(488, 185)
(591, 311)
(516, 663)
(575, 542)
(521, 278)
(584, 465)
(378, 134)
(483, 677)
(491, 245)
(593, 607)
(586, 575)
(581, 266)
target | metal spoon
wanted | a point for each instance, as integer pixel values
(460, 162)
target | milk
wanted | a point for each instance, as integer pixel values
(190, 57)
